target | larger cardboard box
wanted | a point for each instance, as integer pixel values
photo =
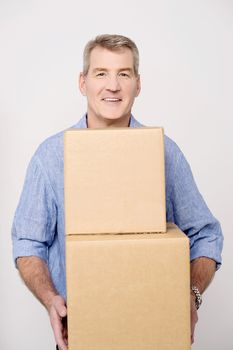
(114, 180)
(128, 291)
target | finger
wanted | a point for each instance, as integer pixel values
(60, 306)
(62, 311)
(64, 330)
(62, 343)
(57, 326)
(194, 317)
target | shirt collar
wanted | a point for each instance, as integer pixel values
(82, 123)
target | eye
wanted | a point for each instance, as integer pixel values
(100, 74)
(124, 74)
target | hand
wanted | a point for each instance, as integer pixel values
(58, 319)
(194, 317)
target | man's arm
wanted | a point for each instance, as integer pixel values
(188, 210)
(35, 274)
(202, 273)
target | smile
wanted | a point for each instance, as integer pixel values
(109, 99)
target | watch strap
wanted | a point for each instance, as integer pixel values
(198, 297)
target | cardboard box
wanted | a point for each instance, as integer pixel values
(128, 291)
(114, 180)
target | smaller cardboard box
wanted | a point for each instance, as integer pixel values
(128, 291)
(114, 180)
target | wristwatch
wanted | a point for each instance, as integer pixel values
(198, 297)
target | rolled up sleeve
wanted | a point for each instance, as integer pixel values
(34, 222)
(193, 216)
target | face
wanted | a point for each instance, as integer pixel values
(110, 84)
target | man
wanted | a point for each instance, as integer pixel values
(110, 81)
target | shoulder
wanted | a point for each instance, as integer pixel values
(172, 150)
(47, 163)
(50, 151)
(173, 156)
(50, 145)
(52, 148)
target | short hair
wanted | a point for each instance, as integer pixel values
(112, 42)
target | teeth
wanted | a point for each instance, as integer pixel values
(111, 99)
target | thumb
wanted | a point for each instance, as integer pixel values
(61, 307)
(62, 311)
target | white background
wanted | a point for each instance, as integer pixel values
(186, 50)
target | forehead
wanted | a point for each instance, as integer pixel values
(104, 58)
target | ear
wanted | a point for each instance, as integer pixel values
(82, 84)
(138, 87)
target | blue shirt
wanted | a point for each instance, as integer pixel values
(38, 226)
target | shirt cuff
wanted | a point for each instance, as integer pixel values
(197, 252)
(25, 247)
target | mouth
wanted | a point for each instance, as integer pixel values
(111, 99)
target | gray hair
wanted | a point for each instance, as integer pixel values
(111, 42)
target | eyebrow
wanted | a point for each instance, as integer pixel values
(95, 70)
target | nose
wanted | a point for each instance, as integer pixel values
(113, 84)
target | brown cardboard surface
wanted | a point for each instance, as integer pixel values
(114, 180)
(128, 291)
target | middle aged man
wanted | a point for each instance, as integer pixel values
(110, 81)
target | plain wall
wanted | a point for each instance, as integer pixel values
(186, 57)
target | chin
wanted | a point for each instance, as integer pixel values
(115, 116)
(112, 117)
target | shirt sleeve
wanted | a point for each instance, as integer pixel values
(193, 216)
(34, 222)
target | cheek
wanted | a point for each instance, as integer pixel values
(131, 90)
(94, 89)
(96, 86)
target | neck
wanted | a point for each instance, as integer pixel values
(93, 122)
